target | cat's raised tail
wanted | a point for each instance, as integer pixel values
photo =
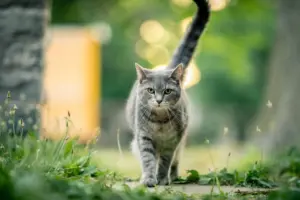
(186, 48)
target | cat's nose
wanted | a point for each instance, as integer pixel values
(158, 101)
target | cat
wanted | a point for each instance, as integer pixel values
(157, 110)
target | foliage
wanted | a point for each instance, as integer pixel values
(33, 186)
(41, 169)
(290, 167)
(32, 168)
(254, 177)
(285, 193)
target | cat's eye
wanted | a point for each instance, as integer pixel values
(167, 91)
(151, 90)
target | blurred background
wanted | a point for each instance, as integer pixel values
(242, 83)
(228, 69)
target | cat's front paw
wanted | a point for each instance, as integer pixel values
(149, 181)
(164, 181)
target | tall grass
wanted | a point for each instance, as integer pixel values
(41, 169)
(32, 168)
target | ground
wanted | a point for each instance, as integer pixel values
(43, 169)
(202, 159)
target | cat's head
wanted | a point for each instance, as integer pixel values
(159, 88)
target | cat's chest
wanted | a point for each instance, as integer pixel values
(159, 129)
(164, 134)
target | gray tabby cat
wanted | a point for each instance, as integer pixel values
(157, 109)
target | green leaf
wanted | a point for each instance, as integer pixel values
(205, 180)
(68, 148)
(83, 161)
(193, 176)
(90, 171)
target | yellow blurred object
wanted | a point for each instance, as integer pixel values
(193, 76)
(182, 3)
(184, 24)
(152, 31)
(71, 84)
(217, 5)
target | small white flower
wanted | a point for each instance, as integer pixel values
(12, 112)
(21, 123)
(226, 130)
(258, 129)
(8, 96)
(269, 104)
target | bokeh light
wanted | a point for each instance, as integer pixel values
(193, 75)
(152, 31)
(140, 47)
(217, 5)
(185, 23)
(182, 3)
(156, 54)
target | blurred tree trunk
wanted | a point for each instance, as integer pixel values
(22, 29)
(280, 124)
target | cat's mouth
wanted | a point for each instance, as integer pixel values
(160, 106)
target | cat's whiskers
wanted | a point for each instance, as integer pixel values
(175, 115)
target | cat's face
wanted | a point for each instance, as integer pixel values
(159, 88)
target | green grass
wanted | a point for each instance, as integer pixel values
(36, 169)
(42, 169)
(198, 158)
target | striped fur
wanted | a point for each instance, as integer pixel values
(157, 109)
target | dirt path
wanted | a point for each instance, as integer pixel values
(202, 189)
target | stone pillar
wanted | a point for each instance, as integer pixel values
(22, 29)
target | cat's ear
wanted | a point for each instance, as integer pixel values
(141, 72)
(178, 72)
